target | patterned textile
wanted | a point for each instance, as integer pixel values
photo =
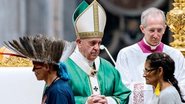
(138, 94)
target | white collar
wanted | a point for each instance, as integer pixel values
(83, 63)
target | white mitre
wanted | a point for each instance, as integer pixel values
(89, 20)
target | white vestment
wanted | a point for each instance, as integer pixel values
(130, 64)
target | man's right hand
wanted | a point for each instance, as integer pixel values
(97, 99)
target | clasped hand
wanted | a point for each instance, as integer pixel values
(97, 99)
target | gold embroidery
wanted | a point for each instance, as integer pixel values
(13, 61)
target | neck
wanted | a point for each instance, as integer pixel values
(165, 85)
(83, 58)
(152, 47)
(51, 78)
(146, 48)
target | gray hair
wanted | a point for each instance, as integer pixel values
(154, 12)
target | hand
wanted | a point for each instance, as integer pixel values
(97, 99)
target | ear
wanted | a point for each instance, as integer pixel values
(47, 67)
(142, 28)
(164, 28)
(78, 40)
(160, 70)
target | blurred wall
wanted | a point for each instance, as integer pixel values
(54, 17)
(30, 17)
(12, 19)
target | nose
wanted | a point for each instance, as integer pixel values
(97, 46)
(144, 74)
(155, 35)
(33, 69)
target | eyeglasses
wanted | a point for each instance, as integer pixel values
(148, 70)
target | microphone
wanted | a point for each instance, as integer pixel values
(102, 47)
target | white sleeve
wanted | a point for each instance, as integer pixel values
(110, 100)
(181, 80)
(122, 67)
(180, 72)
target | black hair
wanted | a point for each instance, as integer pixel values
(167, 63)
(54, 67)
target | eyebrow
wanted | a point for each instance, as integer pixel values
(37, 67)
(149, 69)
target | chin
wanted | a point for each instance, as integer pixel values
(147, 82)
(39, 79)
(155, 43)
(92, 58)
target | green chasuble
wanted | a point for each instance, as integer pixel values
(109, 82)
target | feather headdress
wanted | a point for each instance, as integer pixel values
(39, 48)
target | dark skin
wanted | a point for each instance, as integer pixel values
(155, 76)
(44, 72)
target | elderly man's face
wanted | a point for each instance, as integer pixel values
(154, 30)
(90, 47)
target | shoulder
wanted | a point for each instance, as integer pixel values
(171, 49)
(67, 61)
(129, 51)
(105, 62)
(106, 65)
(60, 90)
(170, 94)
(61, 87)
(173, 52)
(132, 48)
(70, 64)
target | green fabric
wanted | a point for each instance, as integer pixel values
(79, 10)
(108, 78)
